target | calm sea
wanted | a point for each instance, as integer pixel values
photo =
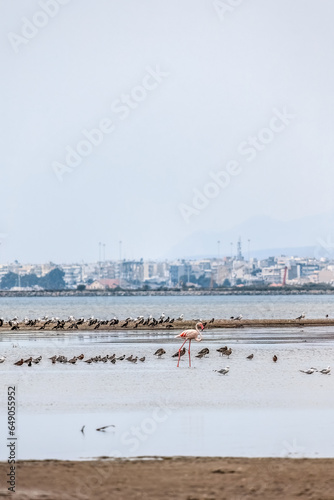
(260, 306)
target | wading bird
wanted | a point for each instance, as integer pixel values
(204, 352)
(181, 353)
(310, 371)
(223, 371)
(160, 352)
(190, 335)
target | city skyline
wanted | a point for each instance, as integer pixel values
(200, 273)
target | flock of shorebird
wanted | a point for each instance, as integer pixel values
(55, 323)
(159, 353)
(188, 335)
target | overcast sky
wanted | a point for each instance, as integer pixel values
(180, 90)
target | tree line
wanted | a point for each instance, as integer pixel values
(53, 280)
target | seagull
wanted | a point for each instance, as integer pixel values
(180, 318)
(238, 317)
(2, 359)
(83, 429)
(325, 371)
(310, 371)
(274, 358)
(251, 356)
(302, 316)
(223, 371)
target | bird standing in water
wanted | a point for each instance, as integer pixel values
(325, 371)
(190, 335)
(223, 371)
(179, 353)
(310, 371)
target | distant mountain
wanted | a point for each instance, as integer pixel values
(308, 236)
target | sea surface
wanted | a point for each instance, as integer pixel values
(259, 306)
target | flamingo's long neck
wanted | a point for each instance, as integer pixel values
(199, 336)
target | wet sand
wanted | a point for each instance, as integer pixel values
(176, 325)
(176, 478)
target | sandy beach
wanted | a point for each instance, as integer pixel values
(176, 478)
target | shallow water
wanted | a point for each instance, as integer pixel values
(259, 409)
(169, 432)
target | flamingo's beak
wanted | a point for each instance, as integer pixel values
(202, 327)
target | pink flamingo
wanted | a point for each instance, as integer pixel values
(190, 335)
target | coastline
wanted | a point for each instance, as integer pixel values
(168, 327)
(176, 477)
(162, 293)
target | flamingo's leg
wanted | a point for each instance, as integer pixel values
(189, 354)
(180, 352)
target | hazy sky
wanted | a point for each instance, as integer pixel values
(181, 89)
